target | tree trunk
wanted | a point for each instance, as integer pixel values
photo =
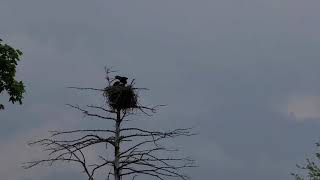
(117, 147)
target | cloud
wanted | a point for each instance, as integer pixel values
(15, 151)
(220, 64)
(304, 107)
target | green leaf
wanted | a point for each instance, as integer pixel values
(9, 58)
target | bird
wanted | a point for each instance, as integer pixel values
(123, 80)
(117, 83)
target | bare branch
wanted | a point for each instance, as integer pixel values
(136, 151)
(101, 108)
(86, 112)
(56, 133)
(79, 88)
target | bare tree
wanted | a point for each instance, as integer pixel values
(135, 151)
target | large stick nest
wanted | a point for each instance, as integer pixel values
(121, 97)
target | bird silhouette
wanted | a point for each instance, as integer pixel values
(117, 83)
(123, 80)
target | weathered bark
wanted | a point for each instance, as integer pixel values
(117, 147)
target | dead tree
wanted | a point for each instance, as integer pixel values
(135, 151)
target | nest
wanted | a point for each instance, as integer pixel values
(121, 97)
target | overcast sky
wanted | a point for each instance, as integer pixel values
(244, 72)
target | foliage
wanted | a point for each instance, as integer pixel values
(9, 58)
(311, 167)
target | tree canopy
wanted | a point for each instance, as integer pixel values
(311, 168)
(9, 58)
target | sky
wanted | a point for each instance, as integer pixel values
(243, 73)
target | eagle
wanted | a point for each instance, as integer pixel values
(117, 83)
(122, 80)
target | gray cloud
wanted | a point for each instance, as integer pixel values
(228, 67)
